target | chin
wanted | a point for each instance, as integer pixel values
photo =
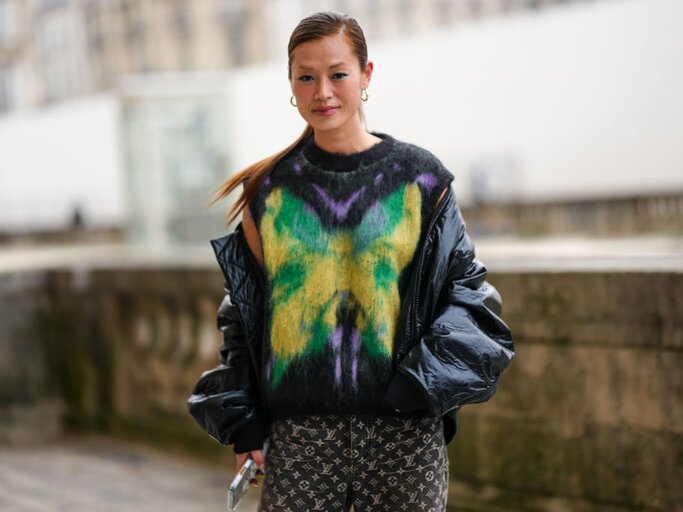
(325, 125)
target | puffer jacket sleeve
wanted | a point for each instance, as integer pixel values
(225, 400)
(464, 348)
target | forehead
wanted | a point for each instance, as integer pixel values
(330, 51)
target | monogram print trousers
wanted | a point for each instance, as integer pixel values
(330, 463)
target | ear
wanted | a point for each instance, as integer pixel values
(367, 75)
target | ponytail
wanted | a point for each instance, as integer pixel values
(252, 177)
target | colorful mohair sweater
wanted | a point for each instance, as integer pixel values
(340, 236)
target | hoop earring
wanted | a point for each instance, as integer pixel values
(291, 101)
(364, 94)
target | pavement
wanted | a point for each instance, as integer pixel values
(102, 474)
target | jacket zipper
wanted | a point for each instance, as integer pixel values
(420, 263)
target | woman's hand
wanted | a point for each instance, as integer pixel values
(259, 460)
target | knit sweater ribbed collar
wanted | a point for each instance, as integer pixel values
(343, 162)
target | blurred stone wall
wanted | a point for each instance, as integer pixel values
(30, 403)
(588, 417)
(160, 326)
(133, 343)
(602, 217)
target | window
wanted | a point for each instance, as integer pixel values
(236, 40)
(235, 16)
(506, 5)
(180, 19)
(51, 4)
(405, 13)
(7, 21)
(475, 8)
(444, 11)
(6, 92)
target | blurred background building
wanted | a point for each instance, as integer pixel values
(54, 50)
(545, 110)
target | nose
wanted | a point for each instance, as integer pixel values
(324, 89)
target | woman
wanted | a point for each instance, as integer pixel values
(356, 319)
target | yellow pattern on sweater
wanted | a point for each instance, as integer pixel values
(313, 270)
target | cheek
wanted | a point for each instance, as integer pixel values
(350, 89)
(301, 90)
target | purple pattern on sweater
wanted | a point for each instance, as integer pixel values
(355, 346)
(427, 179)
(335, 341)
(336, 338)
(339, 208)
(269, 367)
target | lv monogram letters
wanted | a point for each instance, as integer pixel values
(328, 469)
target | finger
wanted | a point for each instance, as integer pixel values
(259, 460)
(241, 459)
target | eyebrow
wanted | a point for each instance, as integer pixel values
(341, 63)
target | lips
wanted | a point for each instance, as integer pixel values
(325, 110)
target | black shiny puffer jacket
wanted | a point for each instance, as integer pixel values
(450, 349)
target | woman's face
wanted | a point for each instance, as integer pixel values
(326, 83)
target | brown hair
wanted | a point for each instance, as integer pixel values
(313, 27)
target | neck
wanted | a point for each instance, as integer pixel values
(346, 140)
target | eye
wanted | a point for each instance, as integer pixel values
(340, 76)
(305, 78)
